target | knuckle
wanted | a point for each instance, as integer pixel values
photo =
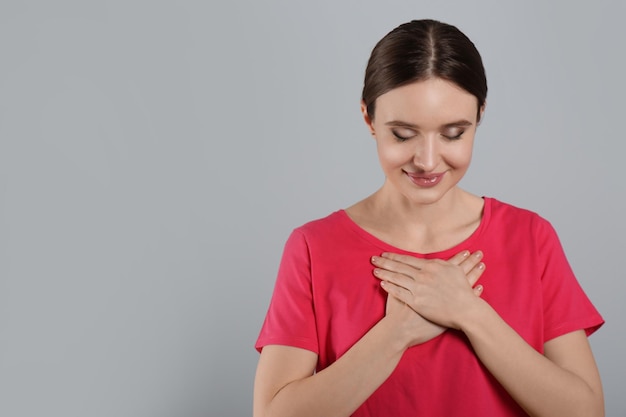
(473, 278)
(392, 256)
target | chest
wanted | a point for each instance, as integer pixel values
(348, 299)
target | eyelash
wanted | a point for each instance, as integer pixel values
(454, 137)
(400, 138)
(403, 139)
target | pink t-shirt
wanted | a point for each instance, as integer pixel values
(326, 299)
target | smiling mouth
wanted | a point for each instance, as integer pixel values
(425, 181)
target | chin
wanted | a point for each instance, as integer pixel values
(427, 196)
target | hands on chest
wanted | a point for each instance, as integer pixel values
(426, 296)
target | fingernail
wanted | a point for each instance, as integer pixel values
(374, 259)
(481, 266)
(479, 288)
(478, 254)
(466, 254)
(384, 254)
(376, 271)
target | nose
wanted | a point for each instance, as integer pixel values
(426, 155)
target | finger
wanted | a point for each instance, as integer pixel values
(405, 259)
(394, 266)
(396, 291)
(397, 279)
(474, 275)
(478, 290)
(459, 257)
(471, 261)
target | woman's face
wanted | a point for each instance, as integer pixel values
(425, 134)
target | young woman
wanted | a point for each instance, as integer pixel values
(423, 299)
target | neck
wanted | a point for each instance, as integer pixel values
(420, 228)
(405, 213)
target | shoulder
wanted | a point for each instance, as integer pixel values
(316, 232)
(327, 236)
(519, 225)
(322, 227)
(510, 216)
(303, 244)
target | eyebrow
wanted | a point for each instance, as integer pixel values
(457, 123)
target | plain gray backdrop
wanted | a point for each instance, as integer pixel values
(154, 157)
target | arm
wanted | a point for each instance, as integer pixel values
(562, 382)
(286, 385)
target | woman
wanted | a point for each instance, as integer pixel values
(423, 299)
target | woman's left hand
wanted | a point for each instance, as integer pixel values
(440, 291)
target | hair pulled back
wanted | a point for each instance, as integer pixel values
(419, 50)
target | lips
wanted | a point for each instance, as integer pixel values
(425, 180)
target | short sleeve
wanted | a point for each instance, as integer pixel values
(566, 307)
(290, 319)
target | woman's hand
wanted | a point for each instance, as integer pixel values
(415, 328)
(439, 291)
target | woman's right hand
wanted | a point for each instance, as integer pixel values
(415, 328)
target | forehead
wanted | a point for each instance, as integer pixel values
(430, 101)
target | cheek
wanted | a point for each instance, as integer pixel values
(393, 156)
(461, 156)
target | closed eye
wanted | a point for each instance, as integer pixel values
(401, 137)
(453, 135)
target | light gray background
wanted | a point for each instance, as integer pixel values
(154, 157)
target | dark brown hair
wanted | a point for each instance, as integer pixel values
(419, 50)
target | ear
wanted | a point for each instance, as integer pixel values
(367, 118)
(481, 113)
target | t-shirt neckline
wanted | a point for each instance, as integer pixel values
(444, 254)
